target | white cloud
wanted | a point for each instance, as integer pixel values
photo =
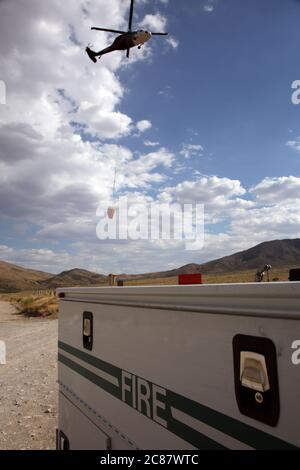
(225, 200)
(41, 259)
(105, 125)
(191, 150)
(221, 197)
(47, 171)
(277, 190)
(90, 93)
(206, 190)
(140, 173)
(155, 23)
(149, 143)
(144, 125)
(208, 8)
(281, 220)
(294, 144)
(173, 42)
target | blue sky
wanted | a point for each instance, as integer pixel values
(229, 81)
(203, 116)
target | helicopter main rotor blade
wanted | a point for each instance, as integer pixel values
(159, 34)
(130, 15)
(109, 30)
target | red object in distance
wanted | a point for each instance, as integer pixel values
(184, 279)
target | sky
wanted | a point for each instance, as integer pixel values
(204, 115)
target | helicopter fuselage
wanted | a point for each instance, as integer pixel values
(131, 39)
(140, 37)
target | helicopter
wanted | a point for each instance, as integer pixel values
(125, 41)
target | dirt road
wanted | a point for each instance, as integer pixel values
(28, 389)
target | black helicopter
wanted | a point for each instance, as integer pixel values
(125, 41)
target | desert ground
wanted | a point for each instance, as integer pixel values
(28, 388)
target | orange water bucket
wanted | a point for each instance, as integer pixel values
(111, 212)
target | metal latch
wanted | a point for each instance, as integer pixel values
(87, 327)
(87, 330)
(253, 371)
(256, 378)
(62, 442)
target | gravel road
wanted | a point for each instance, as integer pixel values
(28, 389)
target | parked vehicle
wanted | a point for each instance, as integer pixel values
(180, 367)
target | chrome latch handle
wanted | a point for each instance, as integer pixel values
(253, 371)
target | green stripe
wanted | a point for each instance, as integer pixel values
(186, 433)
(95, 379)
(200, 441)
(234, 428)
(93, 361)
(242, 432)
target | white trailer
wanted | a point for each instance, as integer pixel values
(180, 367)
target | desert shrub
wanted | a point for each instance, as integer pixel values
(28, 307)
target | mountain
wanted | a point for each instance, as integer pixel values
(186, 269)
(74, 277)
(277, 253)
(15, 278)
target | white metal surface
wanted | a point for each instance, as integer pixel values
(255, 299)
(174, 343)
(90, 437)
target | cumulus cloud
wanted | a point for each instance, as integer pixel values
(143, 125)
(141, 172)
(217, 194)
(155, 23)
(225, 200)
(41, 259)
(281, 220)
(59, 173)
(47, 97)
(17, 140)
(277, 190)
